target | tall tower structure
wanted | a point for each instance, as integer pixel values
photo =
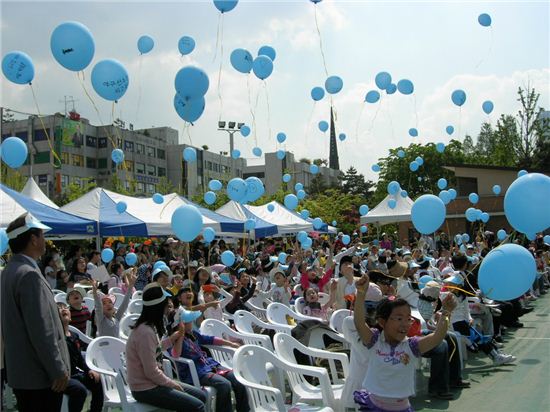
(333, 156)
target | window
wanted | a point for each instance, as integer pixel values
(259, 175)
(77, 160)
(91, 163)
(65, 158)
(161, 154)
(127, 184)
(151, 170)
(119, 142)
(102, 142)
(466, 185)
(40, 135)
(161, 171)
(91, 141)
(208, 165)
(140, 168)
(140, 149)
(64, 180)
(140, 187)
(23, 136)
(102, 163)
(42, 179)
(128, 146)
(150, 151)
(42, 157)
(129, 165)
(150, 188)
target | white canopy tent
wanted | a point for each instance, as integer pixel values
(33, 191)
(382, 214)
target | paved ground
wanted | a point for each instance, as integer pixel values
(521, 387)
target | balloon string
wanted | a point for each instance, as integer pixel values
(488, 50)
(188, 130)
(459, 119)
(139, 87)
(268, 108)
(217, 38)
(388, 112)
(359, 122)
(256, 109)
(251, 109)
(220, 71)
(415, 111)
(308, 124)
(320, 40)
(375, 116)
(54, 153)
(119, 137)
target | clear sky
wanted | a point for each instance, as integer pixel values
(439, 46)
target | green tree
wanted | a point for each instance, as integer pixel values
(506, 139)
(221, 199)
(74, 191)
(116, 185)
(305, 160)
(164, 186)
(355, 183)
(12, 178)
(317, 185)
(541, 156)
(485, 146)
(530, 128)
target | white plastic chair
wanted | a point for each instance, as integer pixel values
(258, 306)
(135, 306)
(300, 302)
(337, 319)
(119, 298)
(83, 337)
(302, 390)
(57, 291)
(277, 314)
(90, 303)
(106, 356)
(245, 322)
(138, 294)
(125, 323)
(251, 370)
(114, 290)
(60, 298)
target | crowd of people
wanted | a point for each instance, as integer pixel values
(411, 298)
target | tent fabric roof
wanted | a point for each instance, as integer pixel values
(382, 214)
(242, 213)
(33, 191)
(14, 204)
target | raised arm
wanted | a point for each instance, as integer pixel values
(430, 341)
(363, 329)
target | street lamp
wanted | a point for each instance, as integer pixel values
(230, 128)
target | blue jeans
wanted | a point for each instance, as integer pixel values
(192, 400)
(223, 386)
(444, 370)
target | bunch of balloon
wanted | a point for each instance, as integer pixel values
(191, 84)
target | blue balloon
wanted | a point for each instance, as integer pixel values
(210, 198)
(413, 166)
(317, 223)
(301, 236)
(473, 198)
(453, 194)
(413, 132)
(306, 244)
(372, 96)
(281, 137)
(507, 272)
(393, 187)
(224, 6)
(401, 153)
(485, 217)
(522, 172)
(249, 224)
(323, 126)
(440, 147)
(191, 83)
(245, 130)
(487, 106)
(159, 264)
(14, 152)
(110, 79)
(313, 169)
(305, 214)
(363, 210)
(375, 167)
(282, 258)
(158, 198)
(471, 214)
(450, 130)
(262, 67)
(117, 156)
(428, 214)
(392, 203)
(241, 60)
(301, 194)
(236, 189)
(72, 45)
(18, 67)
(131, 259)
(267, 51)
(391, 89)
(404, 194)
(424, 280)
(257, 151)
(187, 222)
(121, 207)
(382, 80)
(236, 153)
(478, 214)
(286, 178)
(186, 45)
(228, 258)
(501, 234)
(107, 255)
(215, 185)
(190, 154)
(484, 19)
(342, 137)
(546, 239)
(405, 86)
(281, 154)
(208, 234)
(363, 229)
(189, 110)
(458, 97)
(333, 84)
(496, 190)
(317, 93)
(334, 223)
(458, 239)
(270, 207)
(346, 239)
(4, 241)
(298, 186)
(445, 196)
(419, 160)
(526, 203)
(254, 188)
(291, 201)
(442, 183)
(145, 44)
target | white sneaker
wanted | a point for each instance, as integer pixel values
(503, 358)
(497, 344)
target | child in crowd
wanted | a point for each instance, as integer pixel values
(389, 381)
(216, 311)
(312, 306)
(79, 312)
(281, 291)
